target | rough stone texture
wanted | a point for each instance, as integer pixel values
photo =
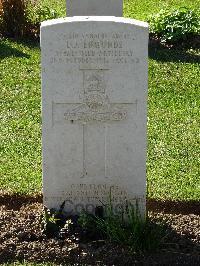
(94, 97)
(95, 8)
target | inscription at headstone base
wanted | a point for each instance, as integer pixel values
(94, 104)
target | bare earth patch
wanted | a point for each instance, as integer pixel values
(21, 237)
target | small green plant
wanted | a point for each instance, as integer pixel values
(175, 25)
(49, 222)
(126, 228)
(52, 221)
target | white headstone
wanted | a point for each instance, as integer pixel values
(95, 8)
(94, 112)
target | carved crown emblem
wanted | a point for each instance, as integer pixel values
(94, 82)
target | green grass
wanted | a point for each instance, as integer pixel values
(20, 132)
(173, 117)
(173, 128)
(140, 9)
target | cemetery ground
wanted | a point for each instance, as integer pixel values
(172, 165)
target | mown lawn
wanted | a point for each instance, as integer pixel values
(20, 117)
(141, 9)
(173, 117)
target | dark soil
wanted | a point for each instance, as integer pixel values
(22, 238)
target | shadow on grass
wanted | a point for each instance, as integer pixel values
(163, 54)
(16, 201)
(30, 43)
(8, 51)
(174, 207)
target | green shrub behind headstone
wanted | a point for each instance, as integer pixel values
(175, 25)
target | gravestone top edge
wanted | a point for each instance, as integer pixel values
(94, 8)
(95, 19)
